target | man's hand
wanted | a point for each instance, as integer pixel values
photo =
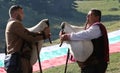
(63, 36)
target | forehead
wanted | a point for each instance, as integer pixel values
(20, 10)
(90, 12)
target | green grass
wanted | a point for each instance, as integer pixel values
(113, 67)
(112, 26)
(111, 15)
(104, 6)
(110, 11)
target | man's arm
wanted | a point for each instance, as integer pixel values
(91, 33)
(27, 35)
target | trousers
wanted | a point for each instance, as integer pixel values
(95, 68)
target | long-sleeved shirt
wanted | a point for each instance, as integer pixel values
(15, 33)
(88, 34)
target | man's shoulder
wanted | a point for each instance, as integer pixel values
(14, 23)
(98, 24)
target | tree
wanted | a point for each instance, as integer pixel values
(61, 7)
(50, 7)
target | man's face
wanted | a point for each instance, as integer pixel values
(20, 14)
(91, 17)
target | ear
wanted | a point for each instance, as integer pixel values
(14, 14)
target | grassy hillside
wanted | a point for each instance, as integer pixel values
(109, 8)
(110, 11)
(111, 19)
(110, 14)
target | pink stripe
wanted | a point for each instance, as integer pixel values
(114, 47)
(51, 63)
(2, 70)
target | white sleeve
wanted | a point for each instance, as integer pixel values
(91, 33)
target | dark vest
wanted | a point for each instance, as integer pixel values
(101, 47)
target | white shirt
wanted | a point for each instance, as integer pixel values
(88, 34)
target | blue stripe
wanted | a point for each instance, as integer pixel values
(114, 39)
(52, 54)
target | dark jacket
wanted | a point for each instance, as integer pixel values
(101, 48)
